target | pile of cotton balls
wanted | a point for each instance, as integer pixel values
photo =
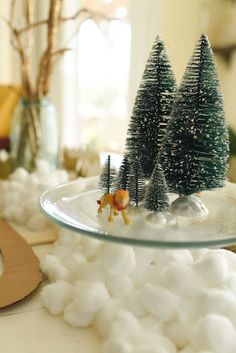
(19, 194)
(144, 300)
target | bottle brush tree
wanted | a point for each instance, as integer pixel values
(156, 198)
(195, 151)
(136, 183)
(152, 109)
(123, 175)
(107, 178)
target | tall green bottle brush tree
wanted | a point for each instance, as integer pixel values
(152, 109)
(195, 151)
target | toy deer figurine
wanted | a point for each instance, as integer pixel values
(118, 201)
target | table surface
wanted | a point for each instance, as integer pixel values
(27, 327)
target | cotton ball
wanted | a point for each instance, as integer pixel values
(105, 316)
(62, 176)
(125, 325)
(189, 349)
(20, 174)
(177, 332)
(9, 212)
(140, 275)
(150, 324)
(214, 332)
(15, 186)
(118, 259)
(68, 238)
(229, 256)
(42, 168)
(167, 257)
(88, 271)
(90, 246)
(11, 198)
(73, 261)
(76, 318)
(61, 252)
(37, 222)
(30, 206)
(219, 301)
(119, 286)
(132, 304)
(90, 296)
(213, 268)
(117, 345)
(144, 259)
(19, 215)
(159, 302)
(144, 256)
(49, 181)
(197, 254)
(51, 266)
(231, 282)
(56, 296)
(173, 277)
(4, 185)
(154, 343)
(32, 183)
(152, 275)
(151, 348)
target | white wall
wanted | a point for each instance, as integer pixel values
(178, 22)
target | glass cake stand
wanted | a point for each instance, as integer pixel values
(73, 205)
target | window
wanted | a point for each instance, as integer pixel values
(103, 82)
(103, 76)
(102, 70)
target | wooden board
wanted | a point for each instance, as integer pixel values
(21, 273)
(45, 236)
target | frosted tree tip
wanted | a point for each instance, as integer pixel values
(204, 38)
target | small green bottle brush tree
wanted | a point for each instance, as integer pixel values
(108, 177)
(123, 175)
(156, 199)
(136, 183)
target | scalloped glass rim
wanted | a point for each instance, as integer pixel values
(58, 202)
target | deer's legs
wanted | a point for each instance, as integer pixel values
(100, 208)
(110, 219)
(125, 217)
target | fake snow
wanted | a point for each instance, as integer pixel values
(144, 300)
(19, 194)
(189, 206)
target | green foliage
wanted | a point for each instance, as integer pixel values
(136, 182)
(151, 109)
(123, 175)
(195, 151)
(156, 198)
(107, 178)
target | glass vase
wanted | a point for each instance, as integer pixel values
(34, 133)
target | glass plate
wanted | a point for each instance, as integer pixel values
(73, 206)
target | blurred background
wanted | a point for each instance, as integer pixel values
(94, 85)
